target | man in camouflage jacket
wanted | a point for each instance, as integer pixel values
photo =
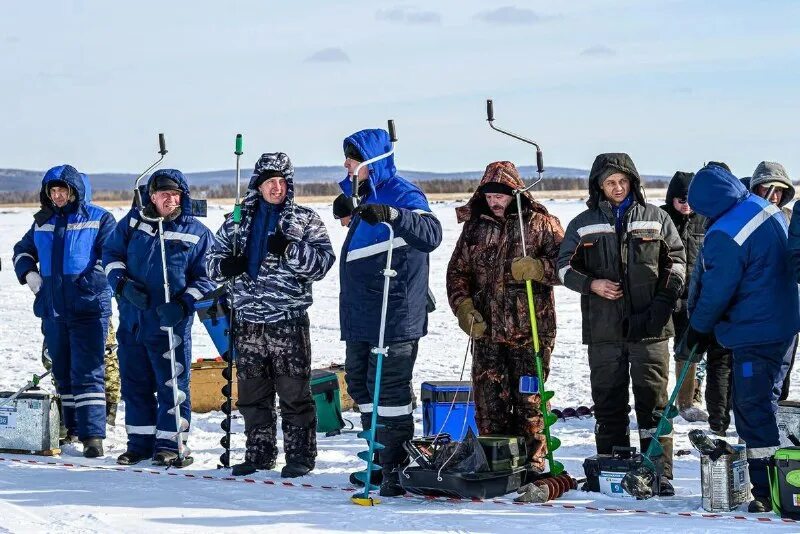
(626, 259)
(486, 290)
(282, 248)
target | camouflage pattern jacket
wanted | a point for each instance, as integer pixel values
(282, 289)
(480, 267)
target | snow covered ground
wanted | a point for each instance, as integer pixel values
(99, 498)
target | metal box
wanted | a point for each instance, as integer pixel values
(725, 482)
(29, 423)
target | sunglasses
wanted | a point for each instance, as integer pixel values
(681, 200)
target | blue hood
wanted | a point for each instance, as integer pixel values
(67, 174)
(713, 191)
(189, 207)
(87, 189)
(371, 143)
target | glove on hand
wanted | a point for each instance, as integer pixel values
(34, 281)
(232, 266)
(470, 320)
(133, 292)
(171, 313)
(377, 213)
(277, 243)
(527, 268)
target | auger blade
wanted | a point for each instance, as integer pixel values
(556, 467)
(671, 412)
(547, 395)
(550, 419)
(553, 443)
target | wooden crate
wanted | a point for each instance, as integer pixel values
(206, 384)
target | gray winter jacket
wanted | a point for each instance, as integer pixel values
(282, 289)
(647, 258)
(768, 172)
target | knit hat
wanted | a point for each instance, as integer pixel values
(266, 175)
(497, 187)
(351, 152)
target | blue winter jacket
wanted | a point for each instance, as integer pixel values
(66, 243)
(746, 291)
(133, 251)
(417, 232)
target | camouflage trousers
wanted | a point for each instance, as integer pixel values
(112, 380)
(275, 358)
(499, 406)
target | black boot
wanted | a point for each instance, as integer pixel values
(665, 488)
(248, 468)
(390, 486)
(131, 458)
(92, 447)
(760, 505)
(169, 458)
(294, 470)
(376, 479)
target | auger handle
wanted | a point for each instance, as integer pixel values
(489, 110)
(162, 144)
(238, 151)
(539, 161)
(392, 134)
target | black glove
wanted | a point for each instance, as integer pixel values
(172, 313)
(133, 292)
(232, 266)
(699, 341)
(376, 213)
(277, 243)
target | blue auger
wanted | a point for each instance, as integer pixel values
(363, 498)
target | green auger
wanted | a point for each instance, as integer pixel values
(639, 482)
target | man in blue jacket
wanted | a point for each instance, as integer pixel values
(132, 260)
(746, 296)
(73, 298)
(384, 197)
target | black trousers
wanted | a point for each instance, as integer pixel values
(614, 367)
(395, 405)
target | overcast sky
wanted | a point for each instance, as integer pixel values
(674, 83)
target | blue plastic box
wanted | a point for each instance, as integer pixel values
(437, 398)
(213, 313)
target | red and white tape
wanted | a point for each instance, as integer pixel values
(503, 502)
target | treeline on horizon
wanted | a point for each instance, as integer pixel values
(322, 189)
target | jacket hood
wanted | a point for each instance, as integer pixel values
(714, 191)
(768, 172)
(189, 207)
(67, 174)
(372, 143)
(679, 186)
(502, 172)
(272, 161)
(607, 164)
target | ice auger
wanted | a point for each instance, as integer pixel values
(176, 368)
(528, 384)
(364, 498)
(230, 358)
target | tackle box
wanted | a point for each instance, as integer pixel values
(325, 391)
(604, 472)
(504, 452)
(213, 313)
(485, 485)
(784, 481)
(437, 400)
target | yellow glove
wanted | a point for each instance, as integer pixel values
(470, 319)
(527, 268)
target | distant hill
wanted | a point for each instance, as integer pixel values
(13, 180)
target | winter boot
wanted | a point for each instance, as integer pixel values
(169, 458)
(376, 479)
(92, 447)
(665, 488)
(390, 486)
(131, 458)
(694, 414)
(111, 414)
(760, 505)
(686, 393)
(248, 468)
(68, 438)
(294, 470)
